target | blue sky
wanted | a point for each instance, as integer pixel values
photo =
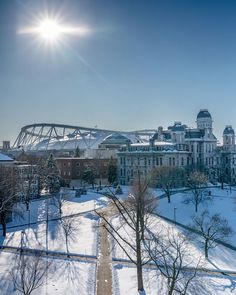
(145, 64)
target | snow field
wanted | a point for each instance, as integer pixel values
(125, 283)
(222, 202)
(83, 241)
(68, 277)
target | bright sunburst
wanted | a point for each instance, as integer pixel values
(50, 30)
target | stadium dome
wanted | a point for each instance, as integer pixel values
(116, 138)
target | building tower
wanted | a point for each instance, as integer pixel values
(204, 121)
(228, 137)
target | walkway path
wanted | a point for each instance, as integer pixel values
(104, 269)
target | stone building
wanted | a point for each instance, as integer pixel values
(143, 157)
(225, 159)
(181, 146)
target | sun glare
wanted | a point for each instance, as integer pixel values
(49, 30)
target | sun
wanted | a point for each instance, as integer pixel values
(49, 30)
(52, 31)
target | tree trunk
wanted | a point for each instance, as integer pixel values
(67, 249)
(171, 288)
(139, 263)
(196, 206)
(168, 197)
(3, 223)
(170, 292)
(4, 228)
(206, 249)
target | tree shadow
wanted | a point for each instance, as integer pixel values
(232, 284)
(6, 285)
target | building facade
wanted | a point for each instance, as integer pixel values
(181, 146)
(74, 168)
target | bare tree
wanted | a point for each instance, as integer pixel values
(28, 184)
(168, 178)
(173, 258)
(211, 228)
(134, 213)
(29, 273)
(70, 228)
(9, 191)
(196, 182)
(58, 202)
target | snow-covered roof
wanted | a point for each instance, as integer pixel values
(156, 143)
(5, 158)
(140, 144)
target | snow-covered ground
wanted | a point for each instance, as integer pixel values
(223, 202)
(219, 258)
(71, 205)
(64, 277)
(71, 277)
(125, 282)
(83, 241)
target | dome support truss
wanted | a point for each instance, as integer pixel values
(32, 136)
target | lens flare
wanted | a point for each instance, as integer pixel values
(49, 30)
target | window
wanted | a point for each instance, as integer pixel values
(160, 161)
(182, 161)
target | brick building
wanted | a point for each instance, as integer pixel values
(74, 168)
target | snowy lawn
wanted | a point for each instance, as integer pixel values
(125, 282)
(64, 277)
(84, 238)
(219, 257)
(71, 205)
(222, 202)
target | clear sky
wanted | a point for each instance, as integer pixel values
(144, 64)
